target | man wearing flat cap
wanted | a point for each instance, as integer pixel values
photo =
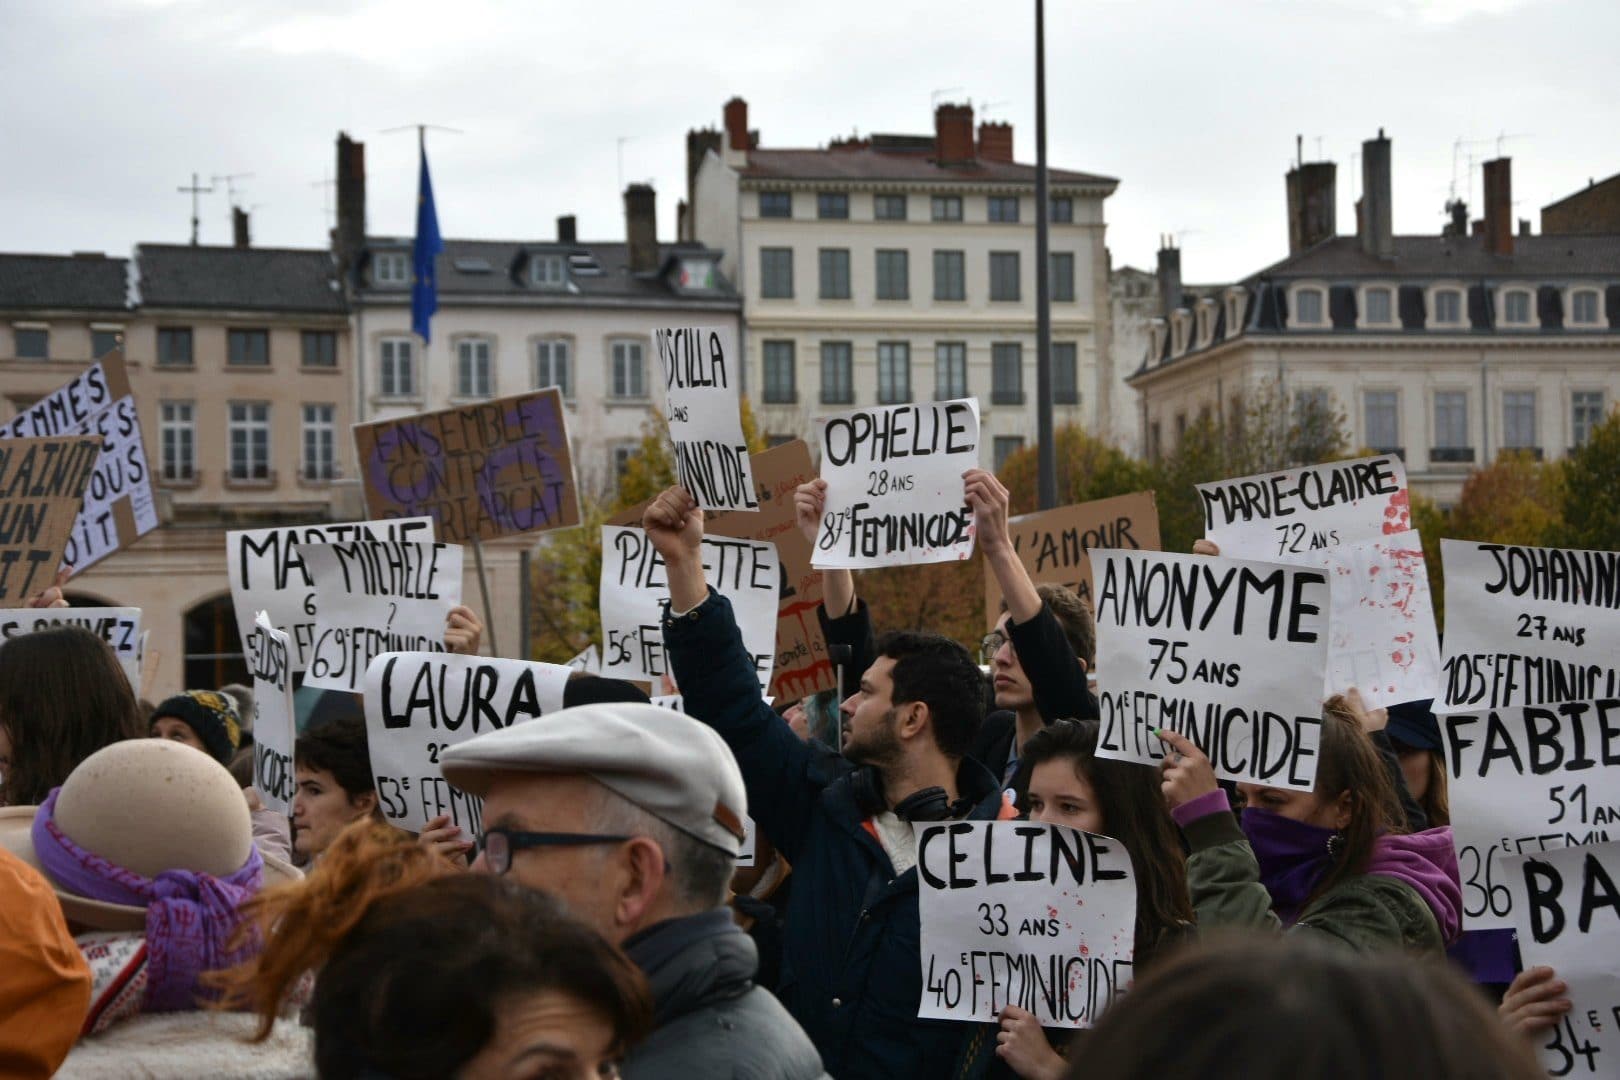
(634, 817)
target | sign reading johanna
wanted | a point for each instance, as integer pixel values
(703, 395)
(42, 487)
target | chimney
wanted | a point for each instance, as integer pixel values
(1377, 222)
(1458, 211)
(953, 135)
(1499, 206)
(565, 229)
(1169, 275)
(641, 227)
(350, 235)
(996, 141)
(736, 113)
(239, 227)
(1311, 204)
(1524, 226)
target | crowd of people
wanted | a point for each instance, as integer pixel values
(157, 920)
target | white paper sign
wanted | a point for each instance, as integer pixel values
(267, 574)
(1567, 906)
(275, 728)
(635, 590)
(375, 597)
(894, 485)
(1524, 780)
(1273, 516)
(1529, 625)
(1382, 639)
(703, 395)
(587, 662)
(418, 705)
(1023, 913)
(119, 627)
(1231, 654)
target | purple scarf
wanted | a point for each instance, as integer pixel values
(190, 916)
(1293, 858)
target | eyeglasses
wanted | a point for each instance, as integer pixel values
(499, 845)
(990, 645)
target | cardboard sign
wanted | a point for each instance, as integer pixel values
(267, 574)
(1526, 780)
(275, 726)
(1023, 913)
(118, 504)
(1230, 654)
(42, 487)
(1053, 544)
(1382, 639)
(703, 392)
(479, 471)
(119, 627)
(894, 485)
(418, 705)
(1568, 918)
(1529, 625)
(374, 597)
(1273, 516)
(635, 592)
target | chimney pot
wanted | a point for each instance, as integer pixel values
(239, 227)
(736, 114)
(996, 141)
(1311, 205)
(350, 235)
(953, 135)
(1524, 226)
(641, 227)
(1376, 227)
(1170, 278)
(566, 229)
(1499, 206)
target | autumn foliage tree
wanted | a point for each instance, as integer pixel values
(1591, 517)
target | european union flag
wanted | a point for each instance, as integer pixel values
(424, 280)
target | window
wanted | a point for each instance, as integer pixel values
(1586, 413)
(32, 343)
(1004, 208)
(950, 275)
(174, 346)
(249, 438)
(1005, 447)
(893, 275)
(320, 348)
(1448, 307)
(894, 372)
(1004, 275)
(1308, 307)
(622, 453)
(177, 435)
(1381, 413)
(1310, 405)
(946, 207)
(629, 370)
(778, 204)
(475, 369)
(1516, 308)
(548, 271)
(1583, 307)
(248, 348)
(781, 380)
(1061, 210)
(1007, 373)
(832, 204)
(552, 366)
(1451, 427)
(396, 376)
(390, 268)
(1065, 373)
(950, 370)
(837, 373)
(1380, 306)
(320, 442)
(1519, 419)
(889, 207)
(776, 273)
(103, 342)
(1062, 267)
(835, 273)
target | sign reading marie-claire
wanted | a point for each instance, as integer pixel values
(1273, 516)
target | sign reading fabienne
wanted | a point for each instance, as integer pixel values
(703, 392)
(1296, 511)
(1230, 654)
(479, 471)
(42, 485)
(894, 485)
(269, 653)
(1023, 913)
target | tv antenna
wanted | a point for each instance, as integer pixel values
(933, 98)
(621, 140)
(194, 190)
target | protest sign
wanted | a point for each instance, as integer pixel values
(119, 627)
(1382, 639)
(420, 704)
(267, 574)
(894, 485)
(1529, 625)
(1567, 906)
(118, 504)
(1273, 516)
(1052, 544)
(703, 394)
(1524, 780)
(635, 592)
(479, 471)
(1230, 654)
(1023, 913)
(374, 597)
(42, 488)
(587, 662)
(275, 726)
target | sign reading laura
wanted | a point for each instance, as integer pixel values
(42, 485)
(1053, 544)
(703, 392)
(1529, 625)
(375, 597)
(268, 575)
(1023, 913)
(894, 485)
(269, 655)
(1524, 780)
(119, 627)
(479, 471)
(118, 504)
(420, 704)
(1230, 654)
(1567, 906)
(1276, 515)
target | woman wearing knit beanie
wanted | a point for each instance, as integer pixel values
(204, 720)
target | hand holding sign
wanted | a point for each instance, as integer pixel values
(1188, 775)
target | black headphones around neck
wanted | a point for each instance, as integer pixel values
(929, 804)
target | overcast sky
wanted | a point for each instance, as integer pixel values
(1193, 105)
